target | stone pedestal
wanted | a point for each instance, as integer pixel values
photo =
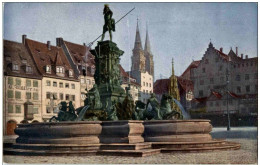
(107, 74)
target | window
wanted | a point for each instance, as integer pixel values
(48, 83)
(17, 95)
(59, 69)
(206, 61)
(70, 73)
(230, 102)
(143, 91)
(35, 110)
(88, 81)
(48, 69)
(147, 91)
(67, 85)
(143, 83)
(73, 97)
(203, 70)
(61, 85)
(54, 83)
(201, 82)
(18, 109)
(211, 80)
(201, 93)
(67, 97)
(216, 59)
(238, 89)
(55, 96)
(10, 109)
(73, 86)
(48, 109)
(15, 67)
(28, 83)
(147, 84)
(82, 81)
(10, 94)
(35, 96)
(83, 96)
(238, 77)
(256, 76)
(35, 83)
(48, 95)
(247, 77)
(248, 88)
(61, 96)
(150, 85)
(10, 80)
(28, 95)
(28, 69)
(18, 81)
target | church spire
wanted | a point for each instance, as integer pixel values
(147, 46)
(138, 43)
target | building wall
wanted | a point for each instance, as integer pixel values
(134, 90)
(146, 86)
(50, 102)
(18, 91)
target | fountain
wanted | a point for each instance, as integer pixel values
(111, 124)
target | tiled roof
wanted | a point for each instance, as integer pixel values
(16, 53)
(187, 85)
(223, 55)
(44, 56)
(161, 86)
(194, 64)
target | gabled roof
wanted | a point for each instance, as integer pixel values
(17, 53)
(58, 61)
(194, 64)
(223, 55)
(44, 56)
(161, 86)
(187, 85)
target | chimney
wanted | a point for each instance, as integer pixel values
(246, 56)
(237, 51)
(84, 44)
(221, 50)
(23, 38)
(242, 56)
(49, 45)
(59, 41)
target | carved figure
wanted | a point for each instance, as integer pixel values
(165, 109)
(94, 98)
(109, 22)
(63, 114)
(154, 113)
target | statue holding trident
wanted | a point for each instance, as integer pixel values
(109, 22)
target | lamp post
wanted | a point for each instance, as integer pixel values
(227, 76)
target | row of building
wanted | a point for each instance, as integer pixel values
(218, 83)
(38, 76)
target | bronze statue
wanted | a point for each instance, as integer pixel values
(94, 98)
(155, 112)
(109, 22)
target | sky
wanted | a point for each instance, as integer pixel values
(176, 30)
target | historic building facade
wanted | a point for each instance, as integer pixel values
(22, 87)
(143, 66)
(226, 82)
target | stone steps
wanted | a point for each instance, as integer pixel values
(116, 149)
(225, 146)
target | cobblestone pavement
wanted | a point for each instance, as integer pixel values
(246, 155)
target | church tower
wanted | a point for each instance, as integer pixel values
(149, 64)
(138, 58)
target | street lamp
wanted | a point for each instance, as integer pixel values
(227, 76)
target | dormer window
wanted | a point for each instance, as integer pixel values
(59, 69)
(28, 69)
(70, 73)
(15, 67)
(48, 69)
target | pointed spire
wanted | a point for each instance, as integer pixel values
(138, 43)
(172, 67)
(147, 46)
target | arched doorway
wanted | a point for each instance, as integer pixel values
(11, 125)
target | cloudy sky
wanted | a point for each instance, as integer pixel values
(177, 30)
